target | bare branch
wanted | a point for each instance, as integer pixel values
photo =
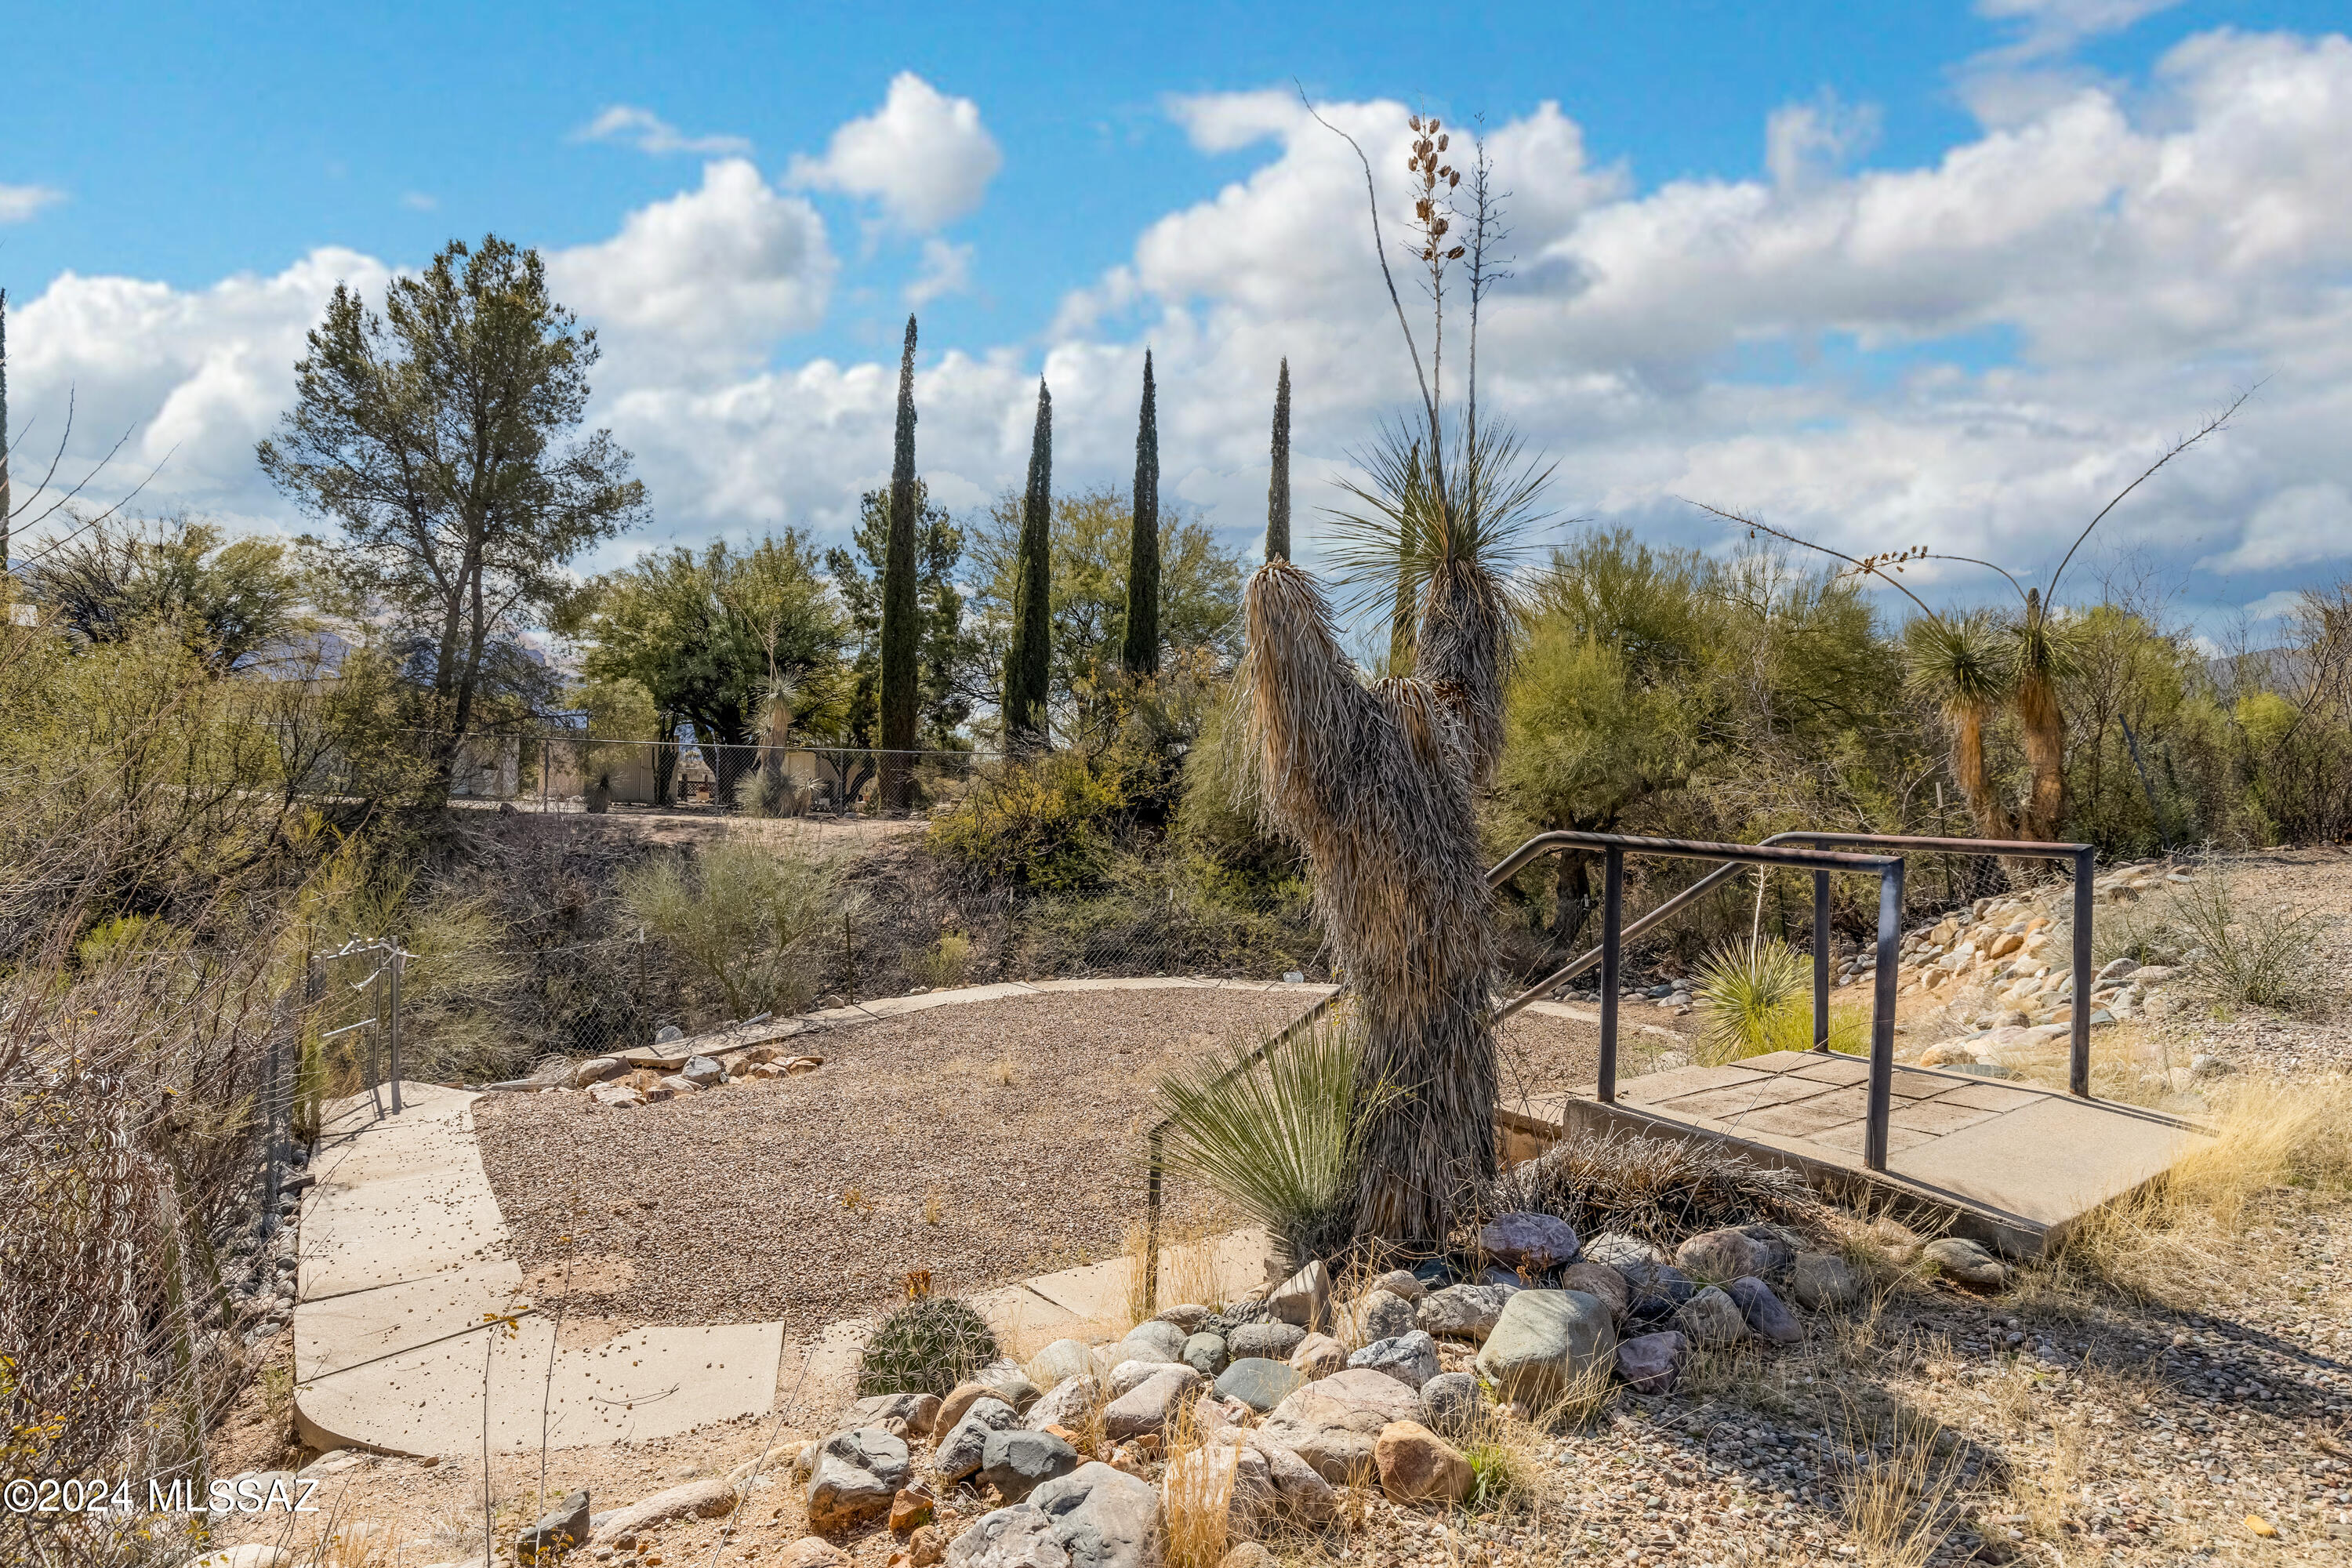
(2209, 428)
(1867, 567)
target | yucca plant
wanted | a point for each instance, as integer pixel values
(1280, 1138)
(1746, 994)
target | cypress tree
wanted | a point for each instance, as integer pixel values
(1027, 663)
(1142, 650)
(901, 618)
(1278, 489)
(4, 431)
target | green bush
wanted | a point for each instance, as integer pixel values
(1044, 825)
(926, 1346)
(735, 917)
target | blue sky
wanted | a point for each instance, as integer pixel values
(202, 175)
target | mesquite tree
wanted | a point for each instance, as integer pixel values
(1141, 652)
(1277, 489)
(1028, 662)
(901, 616)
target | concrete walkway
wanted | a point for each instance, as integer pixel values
(411, 1334)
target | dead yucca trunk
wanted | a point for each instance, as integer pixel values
(1376, 784)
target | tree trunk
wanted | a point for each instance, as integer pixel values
(1993, 818)
(2045, 751)
(1377, 786)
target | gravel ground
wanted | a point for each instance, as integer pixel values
(985, 1141)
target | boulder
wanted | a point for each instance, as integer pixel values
(556, 1532)
(1966, 1261)
(1765, 1312)
(966, 1443)
(1711, 1318)
(1067, 1404)
(1545, 1343)
(1060, 1362)
(1305, 1298)
(1654, 1291)
(1410, 1358)
(1460, 1311)
(1187, 1315)
(1503, 1278)
(1451, 1399)
(706, 1498)
(1823, 1281)
(1150, 1404)
(1103, 1519)
(1154, 1341)
(1205, 1353)
(1774, 1247)
(677, 1084)
(1650, 1363)
(1599, 1280)
(1418, 1465)
(1259, 1383)
(1619, 1250)
(1015, 1462)
(912, 1508)
(618, 1096)
(1384, 1314)
(1718, 1257)
(1530, 1243)
(1301, 1497)
(596, 1069)
(1010, 1382)
(812, 1551)
(1402, 1282)
(857, 1473)
(920, 1412)
(1129, 1375)
(960, 1399)
(1333, 1425)
(702, 1071)
(1233, 1475)
(1318, 1355)
(1271, 1341)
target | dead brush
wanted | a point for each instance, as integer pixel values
(1197, 1499)
(2175, 1237)
(1900, 1484)
(1659, 1189)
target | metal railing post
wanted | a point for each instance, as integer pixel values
(1612, 930)
(392, 1018)
(1821, 961)
(1881, 1016)
(2078, 1064)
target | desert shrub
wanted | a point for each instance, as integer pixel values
(1167, 914)
(1044, 825)
(737, 916)
(926, 1346)
(2255, 954)
(1279, 1137)
(1661, 1189)
(945, 963)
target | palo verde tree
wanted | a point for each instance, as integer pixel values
(1975, 663)
(1378, 784)
(1277, 486)
(441, 437)
(1142, 653)
(901, 615)
(1028, 660)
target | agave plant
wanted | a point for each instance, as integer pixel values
(1747, 994)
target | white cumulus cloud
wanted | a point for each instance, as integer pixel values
(924, 156)
(649, 133)
(19, 202)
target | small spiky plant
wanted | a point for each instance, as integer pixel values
(1745, 989)
(926, 1346)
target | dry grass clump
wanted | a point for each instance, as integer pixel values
(2250, 951)
(1196, 1513)
(2172, 1238)
(1188, 1267)
(1660, 1189)
(1901, 1486)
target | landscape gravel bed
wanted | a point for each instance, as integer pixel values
(985, 1141)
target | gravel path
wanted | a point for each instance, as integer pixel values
(985, 1141)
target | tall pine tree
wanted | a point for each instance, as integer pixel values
(1142, 653)
(901, 618)
(1278, 489)
(1028, 667)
